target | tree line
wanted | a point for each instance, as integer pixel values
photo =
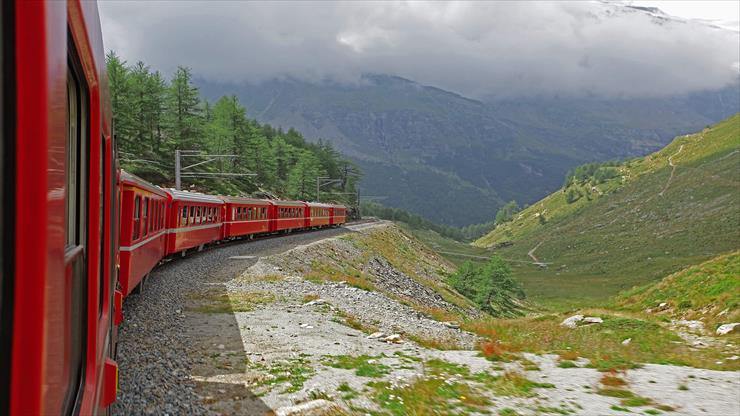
(465, 234)
(153, 116)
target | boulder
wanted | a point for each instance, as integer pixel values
(592, 320)
(393, 339)
(450, 324)
(572, 322)
(627, 341)
(376, 335)
(315, 302)
(728, 328)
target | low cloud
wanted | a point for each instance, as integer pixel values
(477, 49)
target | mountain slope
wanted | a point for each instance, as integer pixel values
(663, 212)
(412, 139)
(709, 292)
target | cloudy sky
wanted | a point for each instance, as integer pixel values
(474, 48)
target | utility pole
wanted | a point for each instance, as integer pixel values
(177, 169)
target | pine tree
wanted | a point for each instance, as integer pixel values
(302, 178)
(184, 120)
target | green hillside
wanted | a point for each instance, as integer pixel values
(709, 291)
(656, 215)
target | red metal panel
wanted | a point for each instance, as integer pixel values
(41, 100)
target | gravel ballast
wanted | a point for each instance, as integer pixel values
(154, 340)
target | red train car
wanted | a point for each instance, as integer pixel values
(338, 215)
(195, 220)
(246, 216)
(288, 215)
(58, 188)
(319, 215)
(143, 229)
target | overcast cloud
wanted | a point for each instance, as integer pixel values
(476, 49)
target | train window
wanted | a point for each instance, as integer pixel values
(145, 217)
(137, 213)
(192, 215)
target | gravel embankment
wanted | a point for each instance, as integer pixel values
(154, 340)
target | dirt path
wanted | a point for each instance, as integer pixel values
(673, 171)
(531, 255)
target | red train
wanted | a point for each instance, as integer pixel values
(76, 233)
(157, 223)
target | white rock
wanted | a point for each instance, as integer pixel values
(734, 357)
(724, 312)
(627, 341)
(727, 328)
(307, 326)
(315, 302)
(376, 335)
(692, 325)
(593, 320)
(663, 305)
(312, 408)
(221, 346)
(393, 339)
(572, 322)
(178, 311)
(450, 324)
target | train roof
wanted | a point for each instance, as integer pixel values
(135, 180)
(193, 196)
(245, 200)
(319, 205)
(290, 203)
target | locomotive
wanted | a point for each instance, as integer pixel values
(77, 233)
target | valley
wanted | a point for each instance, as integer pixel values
(431, 151)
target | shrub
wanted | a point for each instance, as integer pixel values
(491, 286)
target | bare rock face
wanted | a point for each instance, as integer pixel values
(392, 280)
(728, 328)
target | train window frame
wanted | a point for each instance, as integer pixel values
(77, 244)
